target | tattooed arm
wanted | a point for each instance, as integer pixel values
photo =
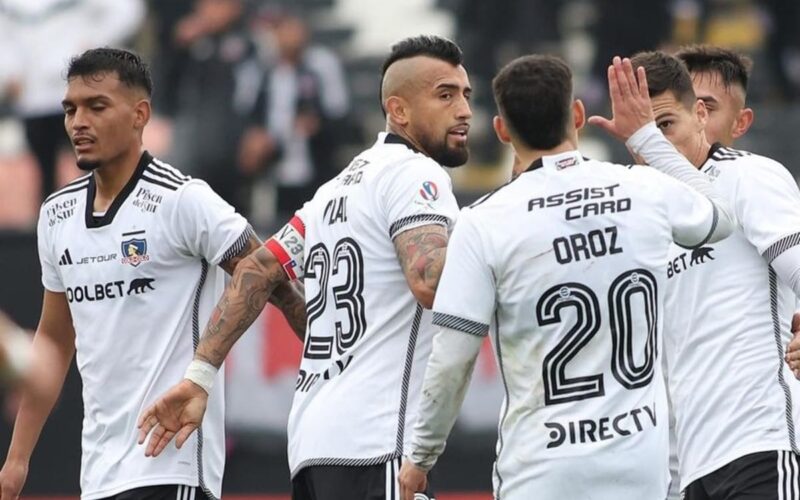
(421, 252)
(179, 411)
(254, 279)
(289, 297)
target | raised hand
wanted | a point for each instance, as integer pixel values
(176, 414)
(630, 100)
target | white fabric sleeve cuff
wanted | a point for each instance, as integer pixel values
(202, 373)
(446, 380)
(649, 143)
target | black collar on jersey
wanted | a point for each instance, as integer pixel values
(396, 139)
(714, 148)
(108, 218)
(537, 163)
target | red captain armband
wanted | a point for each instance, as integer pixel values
(288, 246)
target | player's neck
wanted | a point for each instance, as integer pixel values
(112, 177)
(700, 154)
(527, 156)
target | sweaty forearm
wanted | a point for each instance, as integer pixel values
(254, 279)
(446, 380)
(289, 298)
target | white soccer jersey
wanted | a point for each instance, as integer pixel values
(368, 339)
(728, 320)
(566, 262)
(140, 282)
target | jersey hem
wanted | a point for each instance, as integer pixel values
(141, 483)
(727, 459)
(344, 462)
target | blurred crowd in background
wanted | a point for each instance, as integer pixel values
(266, 99)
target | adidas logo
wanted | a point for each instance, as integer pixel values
(66, 258)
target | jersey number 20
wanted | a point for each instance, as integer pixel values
(559, 388)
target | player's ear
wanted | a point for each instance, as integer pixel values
(578, 114)
(141, 113)
(701, 112)
(500, 128)
(397, 110)
(743, 122)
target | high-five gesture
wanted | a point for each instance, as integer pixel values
(630, 100)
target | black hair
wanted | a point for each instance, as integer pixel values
(128, 66)
(666, 73)
(423, 45)
(733, 68)
(534, 95)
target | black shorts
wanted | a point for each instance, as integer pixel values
(162, 492)
(769, 475)
(334, 482)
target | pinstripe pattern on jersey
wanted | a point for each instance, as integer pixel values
(460, 324)
(781, 246)
(400, 224)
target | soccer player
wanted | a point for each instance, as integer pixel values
(371, 244)
(730, 306)
(719, 78)
(567, 263)
(132, 256)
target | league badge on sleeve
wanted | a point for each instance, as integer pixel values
(429, 191)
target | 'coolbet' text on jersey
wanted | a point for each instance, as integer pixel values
(566, 264)
(139, 281)
(729, 320)
(368, 339)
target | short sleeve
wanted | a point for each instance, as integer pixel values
(207, 226)
(767, 205)
(51, 279)
(692, 216)
(465, 298)
(415, 194)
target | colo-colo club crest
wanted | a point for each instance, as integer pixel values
(134, 251)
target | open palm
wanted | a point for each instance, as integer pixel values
(176, 414)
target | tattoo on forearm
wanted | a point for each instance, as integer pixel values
(422, 251)
(254, 279)
(252, 244)
(290, 299)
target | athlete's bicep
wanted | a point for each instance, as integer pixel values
(421, 252)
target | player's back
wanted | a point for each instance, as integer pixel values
(577, 249)
(368, 339)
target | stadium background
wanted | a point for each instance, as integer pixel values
(199, 79)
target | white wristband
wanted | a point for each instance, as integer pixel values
(202, 374)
